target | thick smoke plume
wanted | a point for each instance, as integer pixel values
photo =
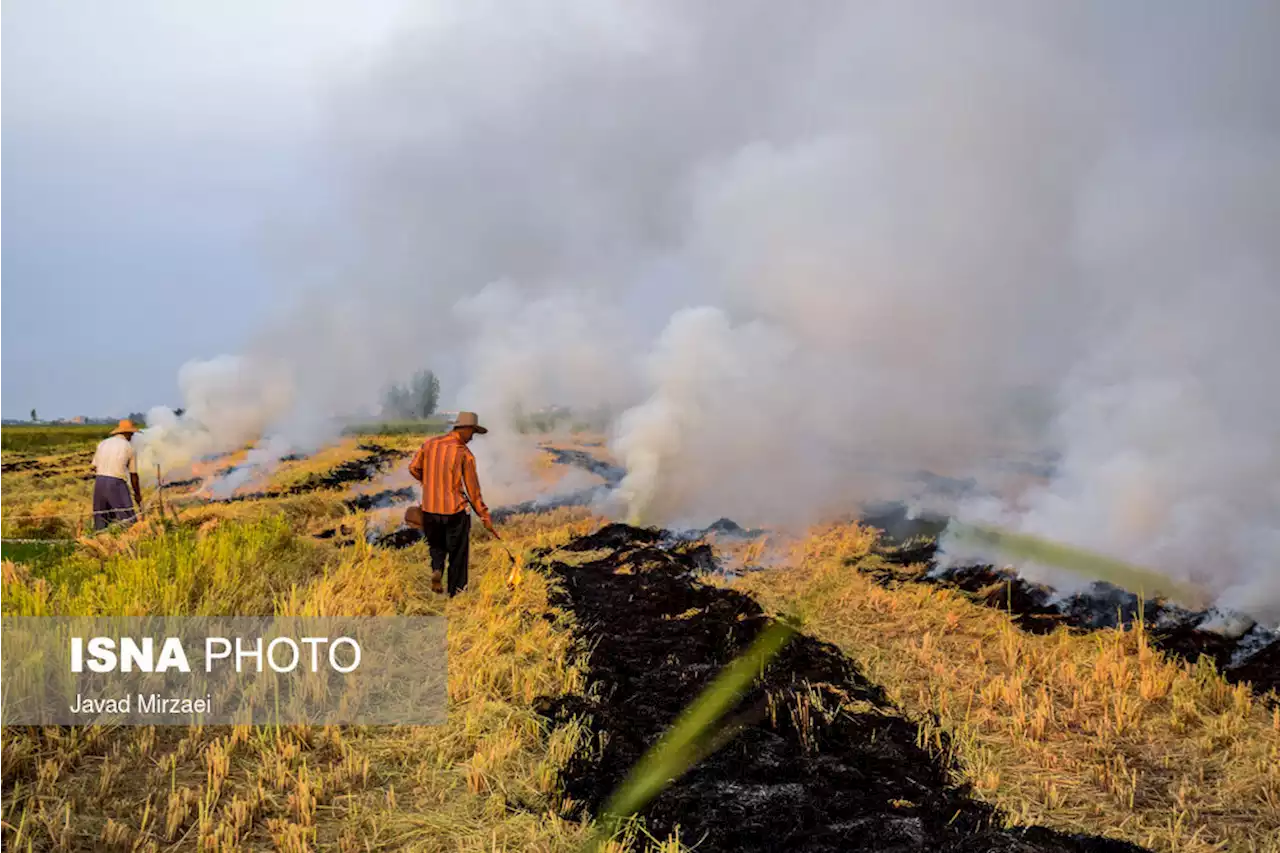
(803, 254)
(229, 402)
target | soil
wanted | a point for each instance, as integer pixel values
(846, 775)
(908, 552)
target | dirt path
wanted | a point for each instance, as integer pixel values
(822, 762)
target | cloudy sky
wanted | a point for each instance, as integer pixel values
(157, 158)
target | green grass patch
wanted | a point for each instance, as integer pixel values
(43, 438)
(37, 555)
(239, 568)
(430, 426)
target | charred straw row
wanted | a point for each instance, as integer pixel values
(1252, 656)
(360, 470)
(72, 463)
(818, 758)
(611, 474)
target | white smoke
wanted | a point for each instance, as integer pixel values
(229, 402)
(806, 255)
(514, 373)
(1169, 423)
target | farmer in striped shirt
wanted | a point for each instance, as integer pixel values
(446, 468)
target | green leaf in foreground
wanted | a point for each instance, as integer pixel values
(691, 737)
(1094, 566)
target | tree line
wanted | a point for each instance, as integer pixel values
(414, 400)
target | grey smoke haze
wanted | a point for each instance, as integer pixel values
(151, 151)
(803, 251)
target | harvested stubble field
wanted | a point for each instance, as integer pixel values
(904, 717)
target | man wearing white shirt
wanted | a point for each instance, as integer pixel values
(116, 465)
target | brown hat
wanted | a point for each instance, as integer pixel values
(124, 426)
(469, 419)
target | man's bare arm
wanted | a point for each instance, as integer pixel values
(137, 488)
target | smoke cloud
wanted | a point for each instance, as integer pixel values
(799, 257)
(229, 401)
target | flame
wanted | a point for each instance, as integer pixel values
(517, 570)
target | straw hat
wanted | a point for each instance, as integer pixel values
(125, 426)
(469, 419)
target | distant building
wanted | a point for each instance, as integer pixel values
(79, 419)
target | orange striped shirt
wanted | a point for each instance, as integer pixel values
(445, 467)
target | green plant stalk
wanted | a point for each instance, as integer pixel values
(1136, 579)
(686, 741)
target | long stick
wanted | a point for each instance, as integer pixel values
(159, 491)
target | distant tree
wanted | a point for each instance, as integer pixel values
(33, 416)
(138, 418)
(179, 412)
(394, 402)
(417, 399)
(426, 393)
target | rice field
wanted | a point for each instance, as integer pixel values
(1081, 731)
(45, 438)
(1096, 734)
(297, 788)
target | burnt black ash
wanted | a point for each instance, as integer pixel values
(360, 470)
(69, 465)
(852, 778)
(384, 499)
(611, 474)
(186, 483)
(401, 537)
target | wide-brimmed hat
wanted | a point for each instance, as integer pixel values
(469, 419)
(125, 426)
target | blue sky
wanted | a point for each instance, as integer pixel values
(157, 158)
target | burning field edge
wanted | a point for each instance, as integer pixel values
(912, 712)
(1243, 651)
(1094, 730)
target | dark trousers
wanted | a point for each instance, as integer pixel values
(449, 536)
(111, 501)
